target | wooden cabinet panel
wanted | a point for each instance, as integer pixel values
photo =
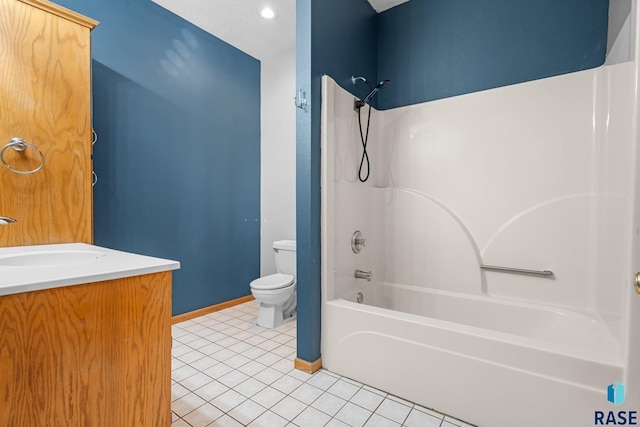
(88, 355)
(45, 99)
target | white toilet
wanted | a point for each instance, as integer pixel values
(277, 292)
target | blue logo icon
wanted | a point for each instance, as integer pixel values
(615, 393)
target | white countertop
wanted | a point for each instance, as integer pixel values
(32, 268)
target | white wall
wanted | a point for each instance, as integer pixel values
(278, 155)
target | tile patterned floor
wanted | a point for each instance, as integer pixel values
(228, 372)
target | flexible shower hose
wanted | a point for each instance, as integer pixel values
(364, 138)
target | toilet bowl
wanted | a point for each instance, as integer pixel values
(277, 292)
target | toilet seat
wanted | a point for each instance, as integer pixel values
(272, 282)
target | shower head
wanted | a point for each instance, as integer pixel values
(383, 84)
(379, 86)
(360, 103)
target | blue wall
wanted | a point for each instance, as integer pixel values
(334, 37)
(177, 112)
(432, 49)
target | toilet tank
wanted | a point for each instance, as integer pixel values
(285, 253)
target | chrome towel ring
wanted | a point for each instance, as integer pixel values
(20, 145)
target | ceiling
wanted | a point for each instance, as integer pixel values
(238, 22)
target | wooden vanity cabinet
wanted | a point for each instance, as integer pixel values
(97, 354)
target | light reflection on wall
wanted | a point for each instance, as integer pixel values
(177, 58)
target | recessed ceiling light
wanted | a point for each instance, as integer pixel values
(267, 13)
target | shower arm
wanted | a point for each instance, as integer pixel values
(358, 103)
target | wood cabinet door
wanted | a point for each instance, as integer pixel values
(45, 99)
(90, 355)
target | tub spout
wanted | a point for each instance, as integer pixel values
(364, 275)
(4, 220)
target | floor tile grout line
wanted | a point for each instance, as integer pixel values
(221, 410)
(289, 394)
(248, 398)
(230, 336)
(211, 354)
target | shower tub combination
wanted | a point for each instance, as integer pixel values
(516, 188)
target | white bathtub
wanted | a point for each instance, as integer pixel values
(538, 326)
(38, 267)
(481, 359)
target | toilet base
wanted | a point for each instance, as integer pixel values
(272, 316)
(269, 316)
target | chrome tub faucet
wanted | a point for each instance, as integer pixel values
(364, 275)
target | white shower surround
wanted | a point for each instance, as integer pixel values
(539, 176)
